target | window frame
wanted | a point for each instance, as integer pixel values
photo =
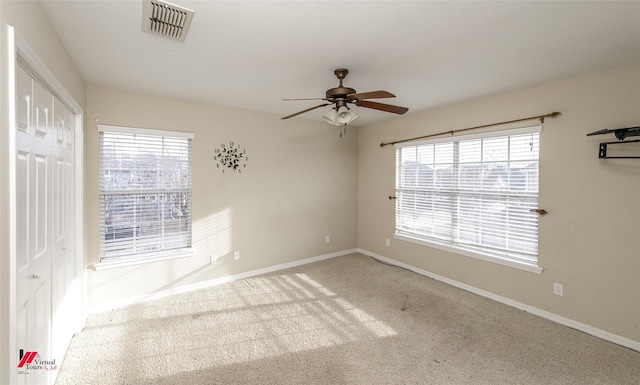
(506, 258)
(153, 256)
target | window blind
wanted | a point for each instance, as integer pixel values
(473, 192)
(145, 192)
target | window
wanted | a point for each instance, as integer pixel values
(472, 195)
(145, 193)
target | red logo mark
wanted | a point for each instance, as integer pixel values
(27, 358)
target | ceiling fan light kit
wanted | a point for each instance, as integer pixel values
(341, 117)
(339, 97)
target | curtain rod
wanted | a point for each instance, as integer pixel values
(541, 117)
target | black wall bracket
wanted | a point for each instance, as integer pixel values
(603, 150)
(621, 134)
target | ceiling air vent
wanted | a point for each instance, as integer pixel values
(165, 19)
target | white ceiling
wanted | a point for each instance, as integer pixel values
(251, 55)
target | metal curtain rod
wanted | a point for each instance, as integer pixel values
(541, 117)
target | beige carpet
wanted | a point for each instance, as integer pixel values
(347, 320)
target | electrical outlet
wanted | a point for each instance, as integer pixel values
(558, 289)
(236, 255)
(214, 259)
(387, 242)
(327, 239)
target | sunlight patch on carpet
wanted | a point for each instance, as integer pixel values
(265, 317)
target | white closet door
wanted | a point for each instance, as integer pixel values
(33, 219)
(64, 297)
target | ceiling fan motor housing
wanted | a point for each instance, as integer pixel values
(339, 92)
(338, 95)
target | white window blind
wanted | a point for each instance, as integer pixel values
(474, 193)
(145, 192)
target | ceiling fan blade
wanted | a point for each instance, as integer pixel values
(382, 107)
(371, 95)
(288, 100)
(303, 111)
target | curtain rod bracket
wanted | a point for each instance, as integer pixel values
(539, 211)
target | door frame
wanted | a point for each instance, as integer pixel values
(19, 53)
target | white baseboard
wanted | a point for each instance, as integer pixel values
(605, 335)
(213, 282)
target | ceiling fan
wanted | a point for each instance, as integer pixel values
(341, 96)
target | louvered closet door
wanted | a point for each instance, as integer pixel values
(33, 221)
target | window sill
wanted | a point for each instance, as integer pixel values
(531, 267)
(131, 261)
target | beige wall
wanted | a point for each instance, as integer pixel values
(33, 27)
(299, 186)
(589, 239)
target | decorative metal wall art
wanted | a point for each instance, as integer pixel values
(231, 157)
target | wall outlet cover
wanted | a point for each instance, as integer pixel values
(558, 289)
